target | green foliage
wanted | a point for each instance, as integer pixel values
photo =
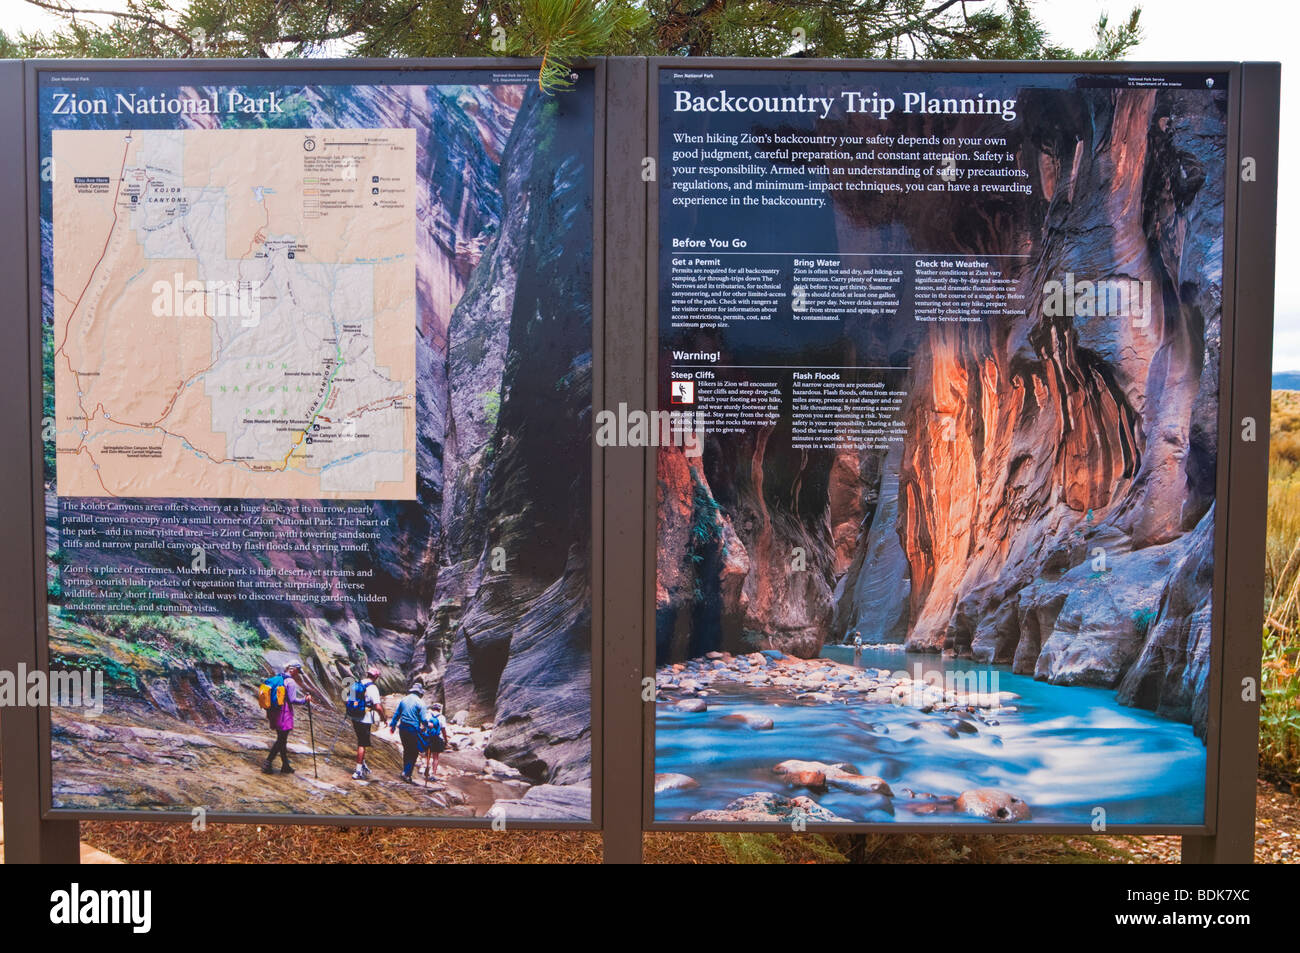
(1142, 620)
(706, 525)
(115, 673)
(780, 849)
(1279, 712)
(705, 531)
(179, 642)
(562, 31)
(559, 32)
(491, 407)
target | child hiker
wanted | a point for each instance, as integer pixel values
(433, 740)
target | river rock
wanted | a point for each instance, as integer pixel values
(818, 775)
(765, 807)
(469, 760)
(692, 705)
(756, 722)
(806, 774)
(674, 782)
(817, 698)
(846, 778)
(993, 805)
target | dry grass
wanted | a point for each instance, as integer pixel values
(1279, 741)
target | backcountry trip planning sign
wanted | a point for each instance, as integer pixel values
(947, 555)
(290, 319)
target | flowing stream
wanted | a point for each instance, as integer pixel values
(1064, 750)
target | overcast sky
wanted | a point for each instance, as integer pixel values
(1174, 30)
(1214, 30)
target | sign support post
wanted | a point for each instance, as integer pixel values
(624, 477)
(28, 839)
(1247, 510)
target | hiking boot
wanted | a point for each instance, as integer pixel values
(286, 769)
(358, 775)
(365, 769)
(267, 769)
(407, 779)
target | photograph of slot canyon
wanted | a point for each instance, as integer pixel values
(1006, 613)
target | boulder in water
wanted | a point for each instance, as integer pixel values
(765, 807)
(674, 782)
(756, 722)
(993, 805)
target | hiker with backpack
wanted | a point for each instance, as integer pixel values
(278, 694)
(433, 740)
(365, 706)
(407, 722)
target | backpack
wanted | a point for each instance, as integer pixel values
(355, 705)
(270, 694)
(429, 734)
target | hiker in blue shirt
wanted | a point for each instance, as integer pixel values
(407, 721)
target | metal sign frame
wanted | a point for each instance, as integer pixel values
(625, 349)
(1249, 219)
(29, 642)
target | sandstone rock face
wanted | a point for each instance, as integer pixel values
(730, 545)
(1083, 454)
(872, 597)
(551, 802)
(521, 648)
(1172, 670)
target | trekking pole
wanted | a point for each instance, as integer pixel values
(311, 727)
(335, 742)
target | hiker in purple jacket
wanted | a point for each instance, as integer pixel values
(280, 718)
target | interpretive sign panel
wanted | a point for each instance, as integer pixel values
(847, 443)
(937, 519)
(317, 377)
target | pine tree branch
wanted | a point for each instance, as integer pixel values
(66, 10)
